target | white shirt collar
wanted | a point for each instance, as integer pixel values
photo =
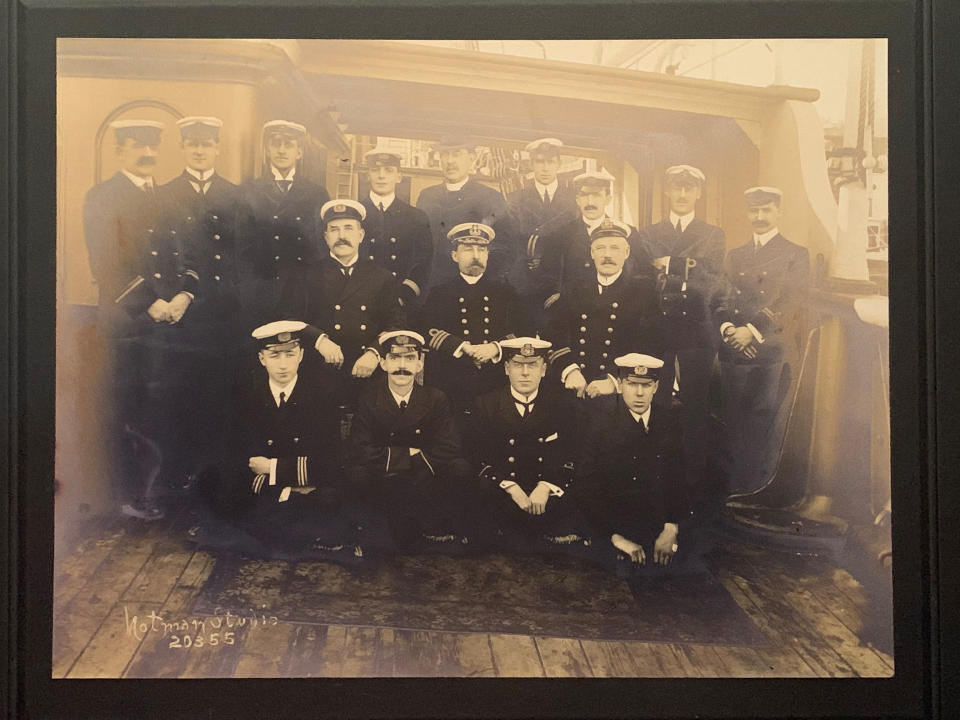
(401, 398)
(684, 219)
(345, 264)
(385, 200)
(766, 237)
(520, 398)
(593, 224)
(200, 176)
(551, 189)
(608, 281)
(140, 182)
(287, 389)
(645, 417)
(454, 187)
(471, 279)
(278, 176)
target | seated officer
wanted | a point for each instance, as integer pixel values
(277, 491)
(524, 444)
(405, 455)
(601, 316)
(630, 474)
(466, 317)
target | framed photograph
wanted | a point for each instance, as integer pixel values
(471, 361)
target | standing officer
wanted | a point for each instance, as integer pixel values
(566, 252)
(525, 444)
(406, 460)
(630, 474)
(278, 489)
(460, 199)
(688, 254)
(538, 211)
(600, 315)
(346, 301)
(466, 317)
(280, 224)
(760, 324)
(397, 234)
(146, 282)
(202, 207)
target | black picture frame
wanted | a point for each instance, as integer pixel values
(923, 380)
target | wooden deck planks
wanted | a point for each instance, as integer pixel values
(74, 570)
(609, 659)
(516, 656)
(116, 641)
(562, 657)
(315, 651)
(264, 649)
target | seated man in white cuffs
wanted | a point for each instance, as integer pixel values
(280, 482)
(630, 475)
(524, 445)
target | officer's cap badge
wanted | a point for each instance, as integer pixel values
(640, 370)
(527, 350)
(283, 337)
(339, 208)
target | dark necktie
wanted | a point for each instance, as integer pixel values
(403, 405)
(284, 185)
(546, 198)
(283, 400)
(347, 271)
(756, 247)
(679, 228)
(525, 408)
(382, 208)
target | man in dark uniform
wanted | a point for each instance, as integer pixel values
(347, 301)
(406, 459)
(566, 251)
(397, 234)
(760, 324)
(524, 444)
(460, 199)
(600, 315)
(278, 490)
(281, 210)
(465, 318)
(688, 254)
(202, 208)
(630, 474)
(146, 282)
(538, 211)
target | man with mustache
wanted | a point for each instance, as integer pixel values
(277, 492)
(630, 473)
(760, 323)
(281, 214)
(460, 199)
(146, 282)
(566, 252)
(397, 235)
(465, 318)
(525, 444)
(202, 208)
(598, 316)
(688, 255)
(347, 301)
(538, 211)
(405, 457)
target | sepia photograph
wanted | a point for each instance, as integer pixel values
(472, 358)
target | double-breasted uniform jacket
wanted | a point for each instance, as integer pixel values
(767, 289)
(566, 257)
(208, 222)
(525, 450)
(133, 260)
(688, 309)
(630, 480)
(351, 309)
(301, 434)
(280, 232)
(591, 328)
(534, 223)
(399, 240)
(457, 312)
(474, 202)
(382, 434)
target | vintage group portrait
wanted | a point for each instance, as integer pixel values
(472, 358)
